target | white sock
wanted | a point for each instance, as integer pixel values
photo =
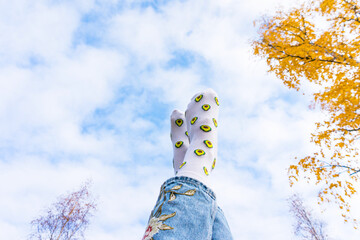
(179, 138)
(201, 119)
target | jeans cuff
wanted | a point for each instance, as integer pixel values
(190, 181)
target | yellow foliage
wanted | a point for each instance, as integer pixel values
(297, 48)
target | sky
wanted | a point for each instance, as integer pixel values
(86, 91)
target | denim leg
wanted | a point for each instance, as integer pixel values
(185, 209)
(221, 230)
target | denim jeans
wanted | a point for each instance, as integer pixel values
(186, 209)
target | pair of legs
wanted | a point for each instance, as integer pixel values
(186, 207)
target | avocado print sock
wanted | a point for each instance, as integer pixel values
(179, 138)
(201, 119)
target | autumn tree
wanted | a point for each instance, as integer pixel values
(319, 42)
(306, 225)
(67, 218)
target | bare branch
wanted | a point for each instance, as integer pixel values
(350, 130)
(354, 171)
(306, 226)
(66, 219)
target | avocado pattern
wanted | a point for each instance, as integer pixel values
(178, 144)
(179, 122)
(193, 120)
(205, 128)
(206, 107)
(199, 152)
(217, 101)
(206, 171)
(213, 165)
(208, 143)
(182, 165)
(198, 98)
(215, 122)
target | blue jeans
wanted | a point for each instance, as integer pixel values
(186, 209)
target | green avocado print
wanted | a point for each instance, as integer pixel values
(186, 133)
(193, 120)
(213, 165)
(205, 128)
(217, 101)
(178, 144)
(206, 171)
(199, 152)
(179, 122)
(208, 143)
(215, 122)
(206, 107)
(198, 98)
(182, 165)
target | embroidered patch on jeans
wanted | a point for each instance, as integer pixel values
(157, 219)
(156, 224)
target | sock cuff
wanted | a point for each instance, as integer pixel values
(195, 175)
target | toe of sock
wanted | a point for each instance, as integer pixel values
(177, 118)
(207, 92)
(176, 114)
(210, 91)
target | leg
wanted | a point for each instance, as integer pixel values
(179, 138)
(221, 230)
(186, 207)
(201, 119)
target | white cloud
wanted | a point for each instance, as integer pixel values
(35, 29)
(45, 107)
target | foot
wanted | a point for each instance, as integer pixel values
(201, 119)
(179, 138)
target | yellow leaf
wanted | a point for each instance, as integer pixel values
(176, 187)
(190, 192)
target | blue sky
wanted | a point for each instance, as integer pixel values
(86, 91)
